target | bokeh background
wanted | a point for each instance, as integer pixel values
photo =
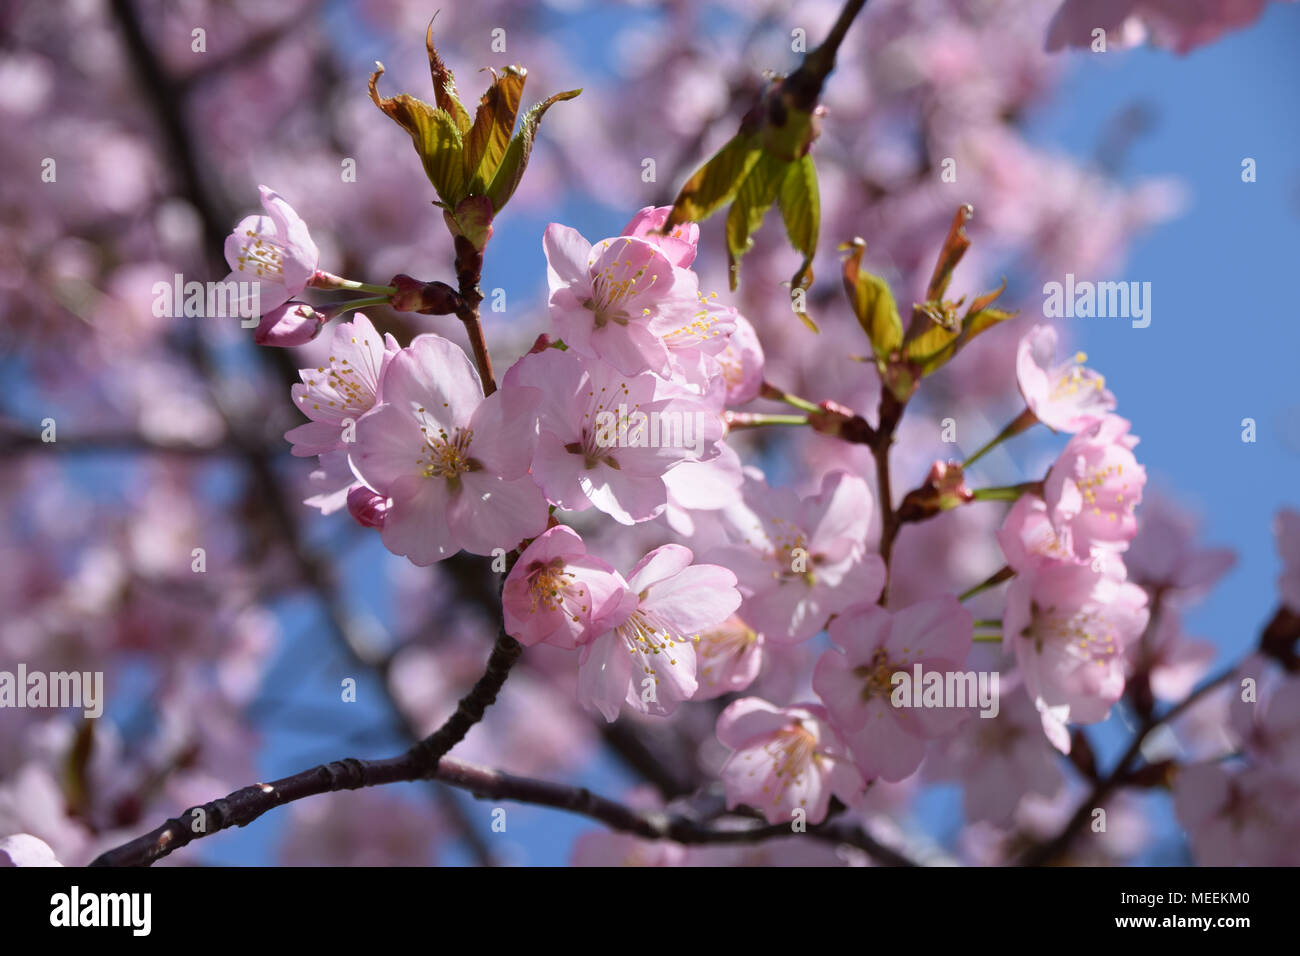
(1121, 165)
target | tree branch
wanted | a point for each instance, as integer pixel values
(242, 807)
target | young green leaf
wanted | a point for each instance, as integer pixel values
(515, 159)
(488, 139)
(800, 205)
(873, 304)
(756, 194)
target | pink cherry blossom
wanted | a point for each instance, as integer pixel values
(454, 463)
(678, 244)
(647, 658)
(1174, 662)
(1165, 553)
(596, 444)
(1234, 819)
(1069, 628)
(343, 389)
(1094, 486)
(785, 759)
(728, 658)
(1064, 396)
(1029, 541)
(742, 363)
(288, 325)
(603, 297)
(273, 250)
(701, 486)
(800, 561)
(1269, 729)
(1287, 528)
(856, 680)
(559, 594)
(999, 760)
(1177, 24)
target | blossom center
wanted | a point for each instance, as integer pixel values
(877, 675)
(551, 586)
(612, 289)
(260, 256)
(447, 456)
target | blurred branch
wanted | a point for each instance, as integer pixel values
(254, 46)
(18, 441)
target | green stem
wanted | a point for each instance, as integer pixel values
(988, 638)
(754, 420)
(337, 310)
(1007, 492)
(992, 581)
(327, 280)
(1021, 422)
(776, 394)
(989, 622)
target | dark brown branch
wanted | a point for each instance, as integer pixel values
(249, 803)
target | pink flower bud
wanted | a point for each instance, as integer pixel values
(294, 323)
(368, 508)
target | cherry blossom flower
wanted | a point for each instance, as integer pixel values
(1176, 24)
(1029, 541)
(1064, 396)
(728, 658)
(1069, 628)
(1094, 486)
(339, 392)
(856, 680)
(1165, 553)
(604, 296)
(742, 363)
(679, 244)
(701, 486)
(1269, 730)
(785, 759)
(1174, 662)
(647, 657)
(1000, 760)
(1243, 818)
(800, 561)
(454, 463)
(607, 439)
(559, 594)
(274, 250)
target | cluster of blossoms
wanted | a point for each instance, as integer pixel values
(407, 438)
(437, 467)
(633, 389)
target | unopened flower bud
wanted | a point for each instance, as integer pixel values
(294, 323)
(369, 509)
(426, 298)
